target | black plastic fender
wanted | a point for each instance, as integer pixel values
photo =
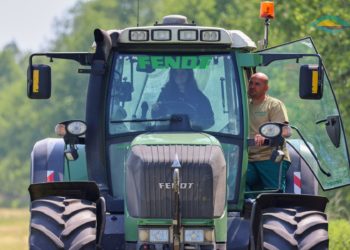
(86, 190)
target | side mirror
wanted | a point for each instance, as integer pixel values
(39, 81)
(311, 82)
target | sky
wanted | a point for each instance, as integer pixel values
(30, 22)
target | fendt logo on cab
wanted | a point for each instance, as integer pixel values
(169, 185)
(174, 62)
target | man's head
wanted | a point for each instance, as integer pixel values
(258, 86)
(181, 76)
(183, 79)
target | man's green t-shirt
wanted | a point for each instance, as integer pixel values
(270, 110)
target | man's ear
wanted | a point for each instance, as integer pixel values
(266, 87)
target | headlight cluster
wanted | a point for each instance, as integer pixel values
(270, 130)
(154, 235)
(138, 35)
(162, 235)
(182, 35)
(198, 235)
(73, 127)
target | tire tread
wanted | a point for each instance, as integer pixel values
(62, 223)
(293, 228)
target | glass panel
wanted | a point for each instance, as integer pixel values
(118, 156)
(232, 156)
(147, 87)
(284, 85)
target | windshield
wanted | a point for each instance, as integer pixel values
(147, 90)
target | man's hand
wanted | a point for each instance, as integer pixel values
(259, 140)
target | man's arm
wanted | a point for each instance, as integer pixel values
(278, 113)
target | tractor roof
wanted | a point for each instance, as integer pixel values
(175, 30)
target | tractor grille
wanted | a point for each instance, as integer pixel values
(149, 177)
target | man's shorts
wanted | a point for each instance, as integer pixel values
(265, 175)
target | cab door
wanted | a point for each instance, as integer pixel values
(318, 120)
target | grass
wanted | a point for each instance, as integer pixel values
(14, 227)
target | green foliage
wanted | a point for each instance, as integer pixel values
(9, 70)
(339, 231)
(338, 208)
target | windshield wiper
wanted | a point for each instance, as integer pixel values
(143, 120)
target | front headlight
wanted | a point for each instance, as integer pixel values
(210, 35)
(270, 130)
(194, 235)
(76, 128)
(154, 235)
(198, 235)
(161, 35)
(138, 35)
(158, 235)
(188, 35)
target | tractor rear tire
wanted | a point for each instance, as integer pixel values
(293, 228)
(62, 223)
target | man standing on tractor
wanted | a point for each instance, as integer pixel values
(263, 173)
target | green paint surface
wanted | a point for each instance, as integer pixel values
(76, 170)
(221, 228)
(241, 59)
(175, 138)
(248, 60)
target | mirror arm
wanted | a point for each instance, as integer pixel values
(84, 58)
(269, 58)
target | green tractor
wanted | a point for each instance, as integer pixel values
(128, 178)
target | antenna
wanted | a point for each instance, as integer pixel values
(138, 12)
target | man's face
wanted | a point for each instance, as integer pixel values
(181, 77)
(257, 87)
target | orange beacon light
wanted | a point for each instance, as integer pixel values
(267, 9)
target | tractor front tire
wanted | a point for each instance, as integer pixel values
(293, 228)
(62, 223)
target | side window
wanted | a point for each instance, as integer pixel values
(232, 157)
(118, 155)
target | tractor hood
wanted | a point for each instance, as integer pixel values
(149, 173)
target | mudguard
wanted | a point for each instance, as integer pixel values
(264, 201)
(47, 161)
(86, 190)
(299, 178)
